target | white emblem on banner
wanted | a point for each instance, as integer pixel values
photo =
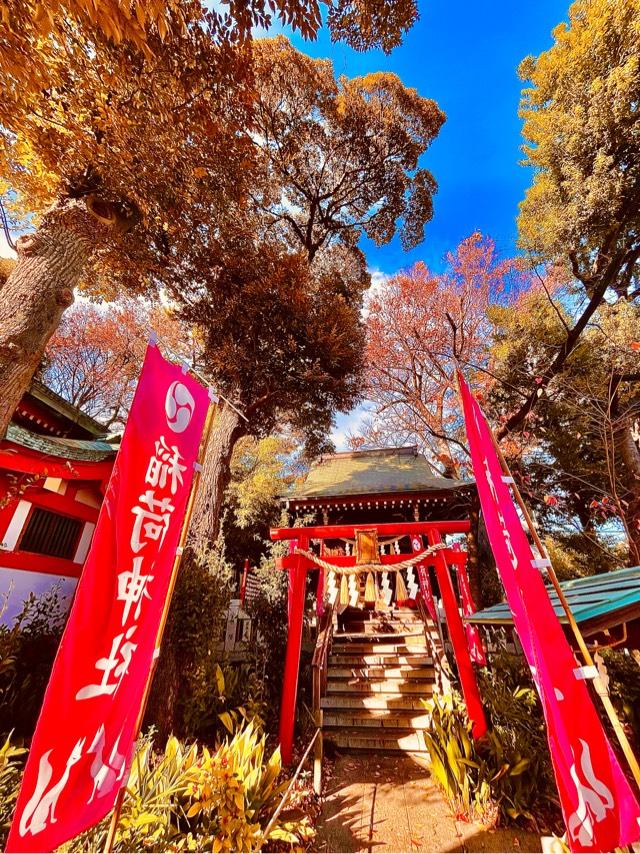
(105, 774)
(41, 808)
(594, 799)
(117, 662)
(179, 406)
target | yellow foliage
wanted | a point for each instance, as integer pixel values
(580, 126)
(228, 798)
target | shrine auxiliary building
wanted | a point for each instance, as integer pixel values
(385, 536)
(54, 468)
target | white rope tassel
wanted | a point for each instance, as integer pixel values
(353, 590)
(386, 590)
(332, 588)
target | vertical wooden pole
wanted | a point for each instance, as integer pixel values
(298, 577)
(582, 646)
(115, 818)
(458, 639)
(317, 760)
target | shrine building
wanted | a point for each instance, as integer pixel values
(386, 539)
(54, 468)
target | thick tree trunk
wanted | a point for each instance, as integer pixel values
(216, 472)
(161, 710)
(40, 287)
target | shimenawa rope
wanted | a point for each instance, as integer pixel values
(370, 567)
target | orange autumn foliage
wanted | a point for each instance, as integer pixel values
(420, 325)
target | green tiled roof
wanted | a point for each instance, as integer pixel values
(589, 598)
(375, 472)
(91, 450)
(54, 401)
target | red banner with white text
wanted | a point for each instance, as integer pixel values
(417, 546)
(468, 608)
(85, 735)
(600, 810)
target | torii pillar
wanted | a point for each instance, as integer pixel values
(297, 584)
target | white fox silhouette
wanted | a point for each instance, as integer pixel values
(105, 774)
(593, 802)
(41, 807)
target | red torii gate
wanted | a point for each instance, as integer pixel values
(297, 565)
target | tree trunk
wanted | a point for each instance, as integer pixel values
(630, 477)
(40, 287)
(161, 711)
(473, 564)
(216, 472)
(629, 472)
(490, 583)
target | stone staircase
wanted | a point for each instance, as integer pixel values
(379, 672)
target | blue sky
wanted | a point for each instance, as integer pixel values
(464, 56)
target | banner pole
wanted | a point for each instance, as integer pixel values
(117, 809)
(600, 688)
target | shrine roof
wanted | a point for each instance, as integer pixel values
(380, 471)
(49, 398)
(596, 601)
(92, 450)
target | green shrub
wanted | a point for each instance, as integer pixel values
(624, 687)
(190, 645)
(505, 776)
(221, 697)
(454, 760)
(190, 799)
(27, 650)
(517, 721)
(11, 764)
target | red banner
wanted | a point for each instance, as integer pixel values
(423, 578)
(599, 808)
(84, 739)
(468, 608)
(243, 583)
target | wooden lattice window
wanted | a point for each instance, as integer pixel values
(52, 534)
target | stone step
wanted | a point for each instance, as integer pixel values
(377, 636)
(382, 672)
(380, 702)
(386, 686)
(377, 740)
(388, 659)
(390, 626)
(354, 648)
(376, 718)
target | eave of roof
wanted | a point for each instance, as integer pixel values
(50, 398)
(590, 599)
(91, 450)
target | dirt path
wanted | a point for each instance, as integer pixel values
(390, 803)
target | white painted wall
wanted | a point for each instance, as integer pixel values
(16, 525)
(84, 542)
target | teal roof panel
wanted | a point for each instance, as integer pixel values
(589, 598)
